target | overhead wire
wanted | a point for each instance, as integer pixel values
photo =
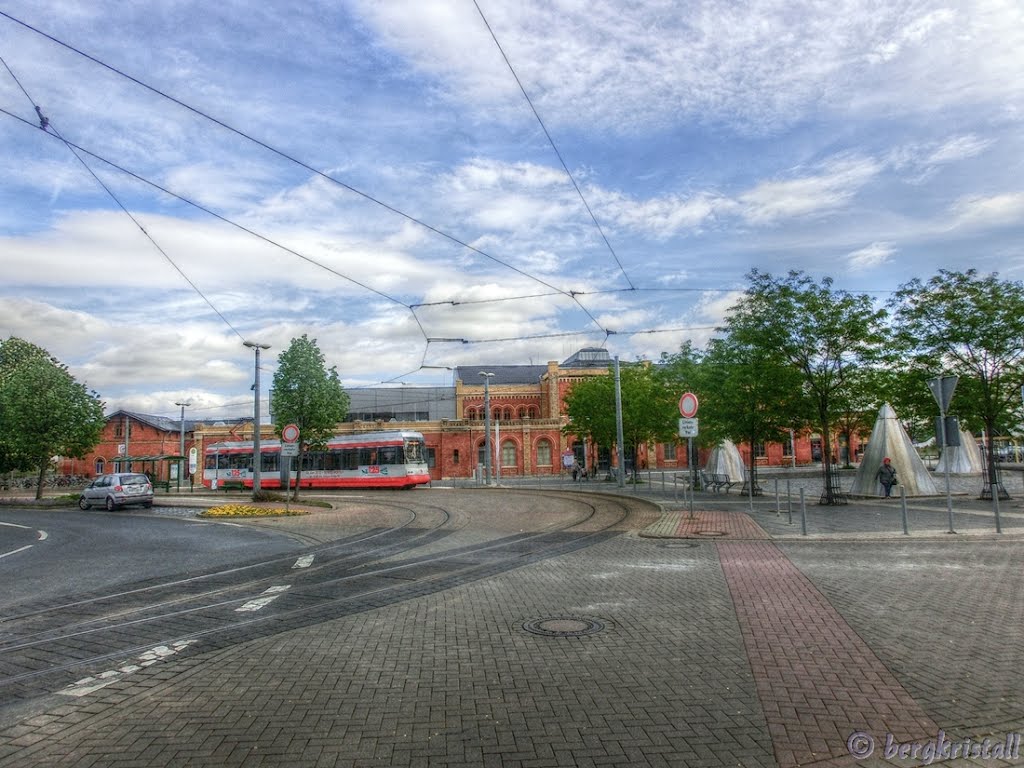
(551, 141)
(46, 125)
(290, 158)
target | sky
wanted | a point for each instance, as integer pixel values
(437, 183)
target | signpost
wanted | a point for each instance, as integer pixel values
(942, 390)
(289, 450)
(688, 429)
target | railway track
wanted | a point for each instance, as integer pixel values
(77, 645)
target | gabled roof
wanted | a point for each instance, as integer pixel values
(166, 424)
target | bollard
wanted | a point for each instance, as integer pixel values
(803, 513)
(995, 506)
(789, 502)
(778, 503)
(903, 509)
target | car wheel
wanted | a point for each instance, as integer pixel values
(147, 504)
(82, 503)
(111, 506)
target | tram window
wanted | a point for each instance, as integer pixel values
(387, 455)
(271, 462)
(210, 462)
(350, 459)
(313, 460)
(413, 451)
(237, 461)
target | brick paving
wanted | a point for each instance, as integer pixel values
(818, 681)
(732, 650)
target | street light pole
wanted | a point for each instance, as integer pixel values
(257, 459)
(181, 444)
(487, 425)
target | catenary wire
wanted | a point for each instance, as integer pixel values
(284, 155)
(551, 141)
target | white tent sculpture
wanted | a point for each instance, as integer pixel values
(889, 438)
(964, 459)
(725, 459)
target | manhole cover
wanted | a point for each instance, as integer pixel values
(564, 626)
(711, 533)
(680, 545)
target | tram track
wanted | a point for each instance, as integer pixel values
(350, 576)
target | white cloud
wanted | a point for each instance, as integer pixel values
(871, 256)
(979, 212)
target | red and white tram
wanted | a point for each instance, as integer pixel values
(394, 459)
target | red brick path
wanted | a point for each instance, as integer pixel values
(817, 679)
(708, 524)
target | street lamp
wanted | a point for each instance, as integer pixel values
(487, 425)
(257, 459)
(181, 445)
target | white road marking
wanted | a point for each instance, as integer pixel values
(304, 562)
(89, 685)
(16, 551)
(40, 536)
(14, 525)
(269, 596)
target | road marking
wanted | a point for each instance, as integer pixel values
(16, 551)
(304, 562)
(40, 536)
(89, 685)
(14, 525)
(269, 596)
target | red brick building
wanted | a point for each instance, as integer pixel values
(527, 404)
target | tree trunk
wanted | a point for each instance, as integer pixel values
(41, 479)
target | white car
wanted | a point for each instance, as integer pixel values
(117, 490)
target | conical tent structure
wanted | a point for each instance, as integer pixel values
(964, 459)
(889, 438)
(725, 459)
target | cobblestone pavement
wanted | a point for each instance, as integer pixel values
(725, 639)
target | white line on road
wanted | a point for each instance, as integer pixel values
(269, 596)
(16, 551)
(103, 679)
(304, 562)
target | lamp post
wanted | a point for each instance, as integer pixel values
(257, 459)
(181, 444)
(487, 425)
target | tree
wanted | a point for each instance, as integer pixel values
(748, 395)
(822, 333)
(308, 394)
(963, 324)
(648, 408)
(44, 412)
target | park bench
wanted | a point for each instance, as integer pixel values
(230, 485)
(164, 485)
(719, 481)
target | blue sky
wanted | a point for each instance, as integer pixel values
(869, 142)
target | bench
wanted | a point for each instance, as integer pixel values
(230, 485)
(164, 485)
(719, 481)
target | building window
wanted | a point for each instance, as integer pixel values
(99, 466)
(544, 453)
(508, 454)
(670, 451)
(431, 458)
(455, 456)
(787, 446)
(760, 451)
(119, 430)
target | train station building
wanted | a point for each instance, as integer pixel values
(527, 406)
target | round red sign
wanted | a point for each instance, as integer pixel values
(688, 405)
(290, 433)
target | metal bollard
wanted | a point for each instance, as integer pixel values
(778, 507)
(803, 513)
(789, 502)
(903, 509)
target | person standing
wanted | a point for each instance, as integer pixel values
(887, 476)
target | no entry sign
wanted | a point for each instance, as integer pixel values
(688, 405)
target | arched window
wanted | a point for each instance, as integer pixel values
(543, 453)
(471, 413)
(99, 466)
(508, 414)
(508, 454)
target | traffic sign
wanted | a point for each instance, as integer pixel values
(688, 427)
(289, 449)
(688, 405)
(290, 434)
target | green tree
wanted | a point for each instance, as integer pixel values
(971, 326)
(649, 411)
(44, 412)
(308, 394)
(822, 333)
(748, 395)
